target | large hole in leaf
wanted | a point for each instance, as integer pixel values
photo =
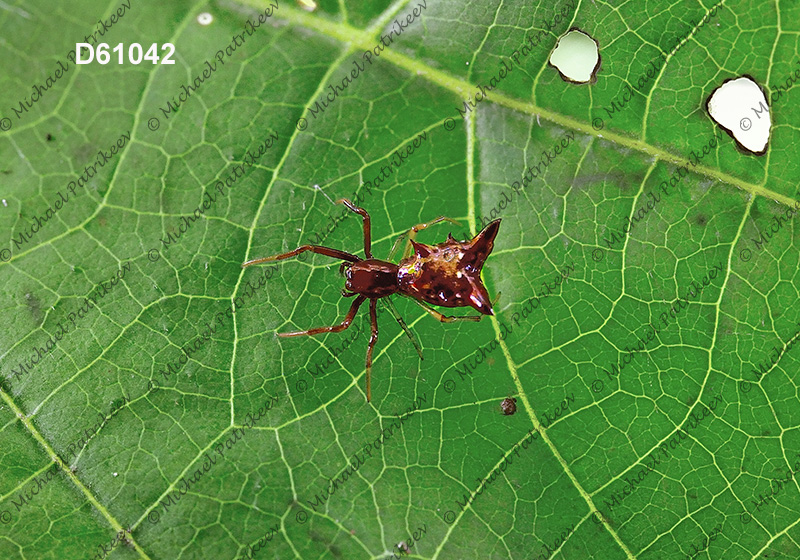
(739, 107)
(576, 57)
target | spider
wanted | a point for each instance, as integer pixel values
(447, 274)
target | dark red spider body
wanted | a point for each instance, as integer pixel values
(372, 277)
(447, 274)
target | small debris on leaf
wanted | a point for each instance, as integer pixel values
(508, 406)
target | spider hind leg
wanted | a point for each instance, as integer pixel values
(373, 320)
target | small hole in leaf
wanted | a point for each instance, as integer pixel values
(576, 57)
(739, 107)
(307, 5)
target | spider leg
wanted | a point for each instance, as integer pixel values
(335, 328)
(393, 310)
(412, 234)
(447, 318)
(373, 320)
(367, 227)
(327, 251)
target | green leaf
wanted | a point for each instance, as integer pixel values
(204, 447)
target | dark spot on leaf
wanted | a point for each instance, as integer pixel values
(117, 403)
(604, 519)
(34, 306)
(508, 406)
(701, 220)
(50, 137)
(84, 152)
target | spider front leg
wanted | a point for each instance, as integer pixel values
(412, 234)
(373, 320)
(367, 226)
(327, 251)
(335, 328)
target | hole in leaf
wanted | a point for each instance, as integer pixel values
(307, 5)
(739, 107)
(576, 57)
